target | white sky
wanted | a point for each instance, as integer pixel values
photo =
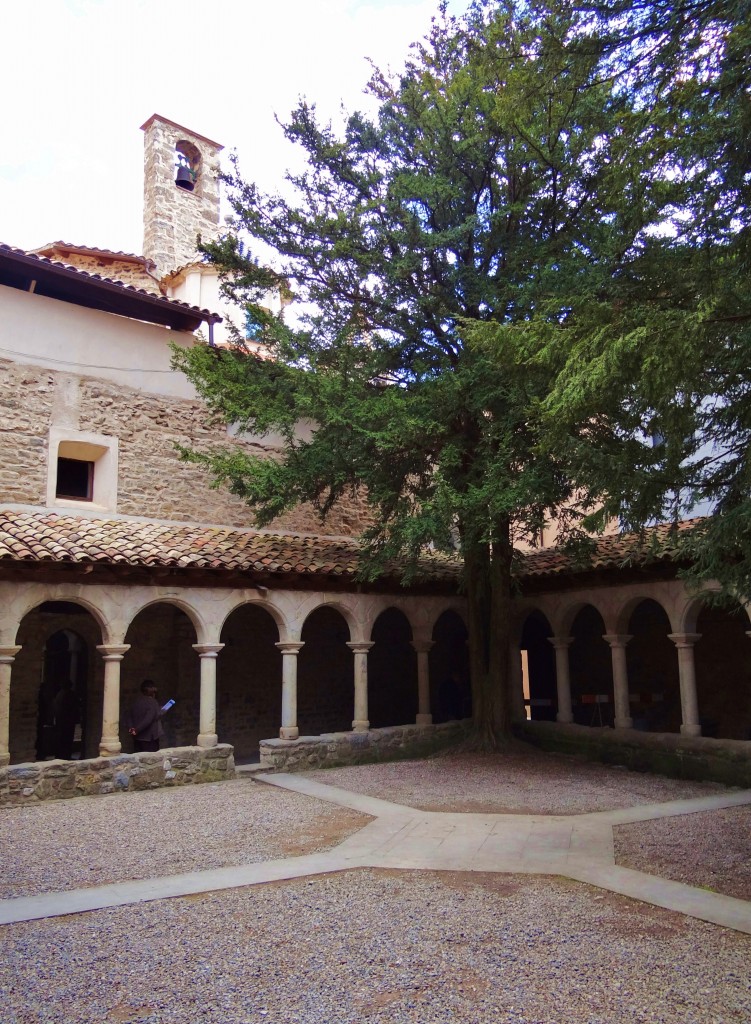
(78, 78)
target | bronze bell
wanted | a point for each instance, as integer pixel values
(184, 178)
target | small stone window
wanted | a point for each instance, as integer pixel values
(82, 469)
(187, 165)
(75, 479)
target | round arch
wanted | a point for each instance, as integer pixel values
(392, 671)
(538, 667)
(340, 607)
(194, 616)
(652, 663)
(325, 672)
(450, 687)
(249, 678)
(60, 597)
(590, 668)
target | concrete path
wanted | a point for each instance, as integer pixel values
(576, 846)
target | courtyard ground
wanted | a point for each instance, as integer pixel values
(371, 945)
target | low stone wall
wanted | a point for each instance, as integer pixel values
(681, 757)
(56, 780)
(340, 748)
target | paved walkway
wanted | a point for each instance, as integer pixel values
(577, 846)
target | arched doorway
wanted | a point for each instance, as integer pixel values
(450, 689)
(161, 638)
(653, 683)
(538, 668)
(325, 675)
(591, 671)
(723, 672)
(58, 642)
(392, 671)
(249, 681)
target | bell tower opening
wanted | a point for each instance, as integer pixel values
(187, 165)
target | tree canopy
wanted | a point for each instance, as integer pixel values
(453, 258)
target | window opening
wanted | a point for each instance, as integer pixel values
(75, 479)
(187, 165)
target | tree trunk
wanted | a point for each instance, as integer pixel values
(488, 582)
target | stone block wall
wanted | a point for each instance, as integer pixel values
(152, 480)
(341, 748)
(57, 780)
(127, 272)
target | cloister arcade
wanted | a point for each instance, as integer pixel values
(652, 657)
(241, 665)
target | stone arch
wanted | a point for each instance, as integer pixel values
(342, 608)
(267, 606)
(563, 623)
(61, 595)
(37, 679)
(392, 671)
(161, 637)
(188, 158)
(450, 685)
(325, 672)
(652, 662)
(590, 667)
(196, 620)
(538, 667)
(627, 608)
(722, 659)
(249, 678)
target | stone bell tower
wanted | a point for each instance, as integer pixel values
(181, 193)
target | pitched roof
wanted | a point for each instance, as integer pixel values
(51, 537)
(44, 276)
(91, 250)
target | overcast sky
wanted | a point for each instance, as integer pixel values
(79, 77)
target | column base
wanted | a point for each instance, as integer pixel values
(110, 749)
(564, 719)
(358, 726)
(624, 723)
(424, 720)
(289, 732)
(207, 739)
(690, 730)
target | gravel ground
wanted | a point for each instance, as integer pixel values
(522, 781)
(396, 947)
(94, 840)
(711, 849)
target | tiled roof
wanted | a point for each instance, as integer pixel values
(657, 543)
(51, 537)
(128, 289)
(129, 257)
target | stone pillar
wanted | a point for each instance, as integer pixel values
(687, 674)
(208, 654)
(623, 719)
(424, 715)
(112, 655)
(289, 729)
(360, 651)
(516, 682)
(562, 679)
(7, 657)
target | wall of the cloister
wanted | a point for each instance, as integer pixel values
(161, 625)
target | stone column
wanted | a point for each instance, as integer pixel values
(424, 716)
(112, 655)
(360, 651)
(7, 657)
(208, 653)
(516, 682)
(623, 719)
(562, 678)
(289, 729)
(687, 674)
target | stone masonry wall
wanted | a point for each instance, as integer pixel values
(152, 480)
(56, 780)
(125, 271)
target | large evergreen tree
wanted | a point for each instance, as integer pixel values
(495, 168)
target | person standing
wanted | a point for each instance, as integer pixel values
(146, 719)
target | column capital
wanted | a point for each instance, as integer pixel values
(422, 646)
(207, 650)
(290, 646)
(7, 654)
(617, 640)
(561, 643)
(360, 646)
(684, 639)
(113, 652)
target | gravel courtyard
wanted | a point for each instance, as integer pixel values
(371, 945)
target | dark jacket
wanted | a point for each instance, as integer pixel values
(145, 718)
